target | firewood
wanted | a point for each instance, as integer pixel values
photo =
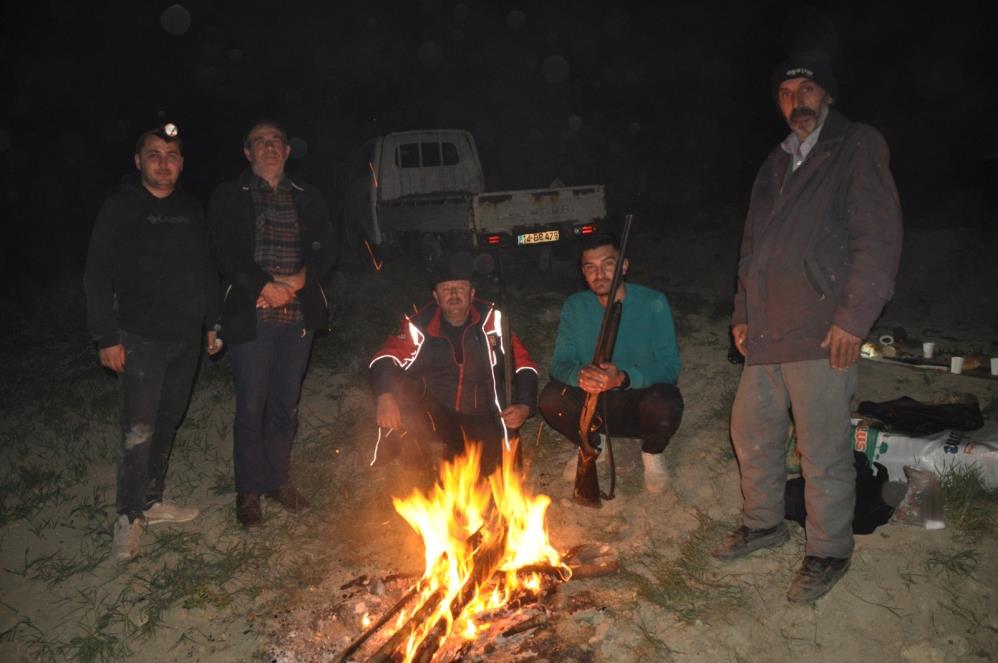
(527, 624)
(486, 562)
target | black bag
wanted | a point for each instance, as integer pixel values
(871, 509)
(910, 417)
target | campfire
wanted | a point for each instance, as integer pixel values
(486, 551)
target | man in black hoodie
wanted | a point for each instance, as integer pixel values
(149, 254)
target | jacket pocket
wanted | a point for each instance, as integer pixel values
(817, 277)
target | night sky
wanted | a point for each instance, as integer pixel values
(668, 105)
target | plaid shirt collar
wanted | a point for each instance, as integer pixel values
(259, 184)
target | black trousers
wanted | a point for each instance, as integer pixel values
(154, 391)
(424, 420)
(652, 414)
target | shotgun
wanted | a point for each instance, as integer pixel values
(511, 448)
(587, 490)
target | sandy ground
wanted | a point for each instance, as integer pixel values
(208, 591)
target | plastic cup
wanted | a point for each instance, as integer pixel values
(994, 366)
(956, 365)
(928, 349)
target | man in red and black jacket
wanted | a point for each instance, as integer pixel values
(441, 376)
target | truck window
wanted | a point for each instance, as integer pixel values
(415, 155)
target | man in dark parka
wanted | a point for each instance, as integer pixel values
(819, 255)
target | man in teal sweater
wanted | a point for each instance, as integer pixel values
(641, 398)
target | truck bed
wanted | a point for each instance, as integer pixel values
(509, 211)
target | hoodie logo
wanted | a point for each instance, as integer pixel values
(162, 218)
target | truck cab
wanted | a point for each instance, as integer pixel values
(429, 183)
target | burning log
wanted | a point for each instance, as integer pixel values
(510, 537)
(473, 541)
(376, 626)
(486, 564)
(538, 620)
(579, 572)
(388, 650)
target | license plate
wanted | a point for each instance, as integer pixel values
(538, 238)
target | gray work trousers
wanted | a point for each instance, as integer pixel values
(819, 398)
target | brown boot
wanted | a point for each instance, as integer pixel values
(289, 497)
(248, 511)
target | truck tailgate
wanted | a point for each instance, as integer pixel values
(503, 211)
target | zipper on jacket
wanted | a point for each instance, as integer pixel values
(460, 384)
(460, 370)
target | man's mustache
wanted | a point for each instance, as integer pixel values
(802, 112)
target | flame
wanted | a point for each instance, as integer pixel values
(463, 515)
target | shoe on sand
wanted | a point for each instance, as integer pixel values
(127, 535)
(656, 473)
(289, 497)
(815, 577)
(745, 540)
(168, 512)
(248, 511)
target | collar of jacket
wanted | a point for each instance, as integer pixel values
(246, 177)
(833, 128)
(794, 183)
(429, 317)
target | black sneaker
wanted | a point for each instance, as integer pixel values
(815, 577)
(744, 540)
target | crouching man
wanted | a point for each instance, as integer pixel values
(641, 398)
(440, 378)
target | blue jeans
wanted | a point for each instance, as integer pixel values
(154, 391)
(268, 372)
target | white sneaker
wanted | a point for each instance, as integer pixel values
(126, 538)
(656, 473)
(168, 512)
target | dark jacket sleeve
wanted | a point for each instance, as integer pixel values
(235, 263)
(98, 279)
(209, 273)
(875, 235)
(739, 313)
(525, 376)
(390, 361)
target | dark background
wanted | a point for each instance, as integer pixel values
(669, 102)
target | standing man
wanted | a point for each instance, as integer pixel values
(441, 376)
(149, 253)
(639, 384)
(819, 255)
(274, 242)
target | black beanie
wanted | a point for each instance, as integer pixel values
(813, 65)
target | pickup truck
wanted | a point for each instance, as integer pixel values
(429, 185)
